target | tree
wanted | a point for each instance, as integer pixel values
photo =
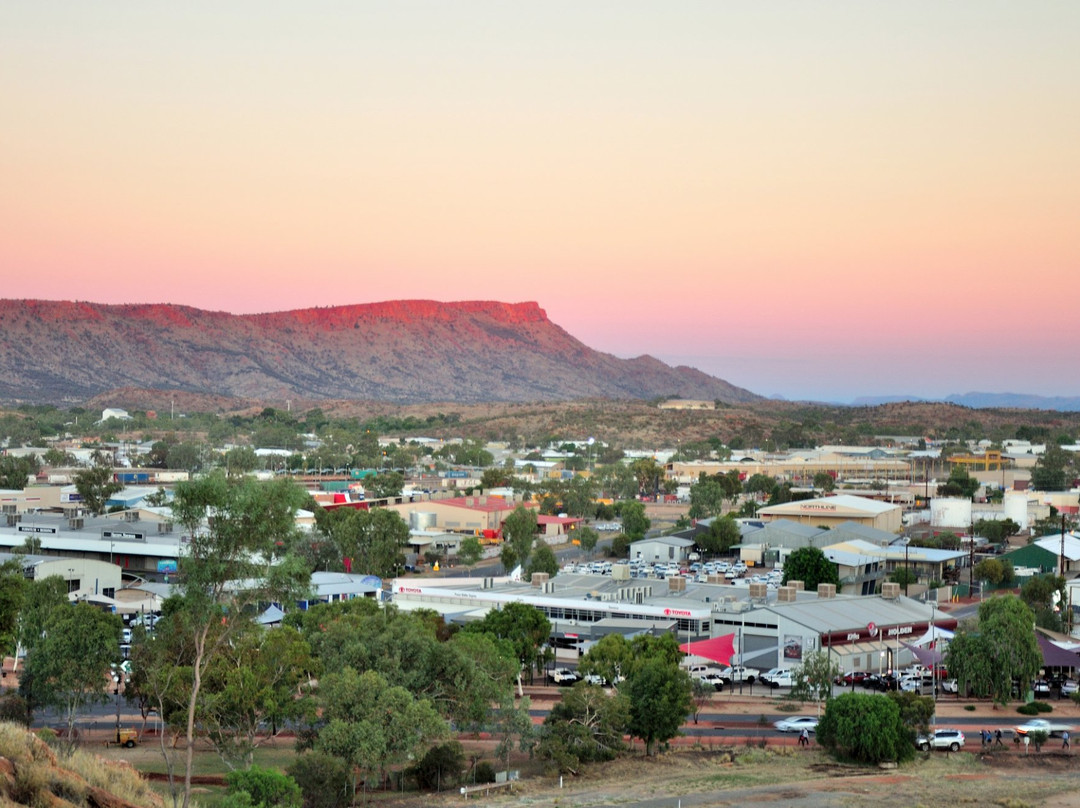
(374, 540)
(864, 728)
(760, 484)
(1004, 649)
(469, 551)
(70, 664)
(635, 523)
(813, 679)
(41, 598)
(903, 576)
(960, 484)
(385, 484)
(1049, 471)
(16, 472)
(707, 497)
(990, 570)
(647, 472)
(12, 594)
(96, 486)
(252, 690)
(519, 531)
(1042, 594)
(996, 530)
(702, 693)
(240, 460)
(915, 710)
(236, 529)
(587, 540)
(542, 560)
(586, 726)
(372, 725)
(523, 626)
(659, 696)
(723, 534)
(809, 565)
(824, 481)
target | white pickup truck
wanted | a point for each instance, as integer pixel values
(738, 673)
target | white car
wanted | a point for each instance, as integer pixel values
(1068, 687)
(712, 678)
(1042, 725)
(797, 724)
(737, 673)
(563, 676)
(951, 739)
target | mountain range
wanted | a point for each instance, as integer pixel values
(409, 351)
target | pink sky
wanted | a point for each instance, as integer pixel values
(815, 200)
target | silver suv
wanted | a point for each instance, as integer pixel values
(951, 739)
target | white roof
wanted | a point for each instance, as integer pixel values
(1053, 544)
(840, 504)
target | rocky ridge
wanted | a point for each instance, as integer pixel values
(409, 351)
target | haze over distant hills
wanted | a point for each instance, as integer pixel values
(985, 401)
(402, 351)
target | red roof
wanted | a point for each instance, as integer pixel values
(488, 504)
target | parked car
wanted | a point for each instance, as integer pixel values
(796, 724)
(563, 676)
(950, 686)
(713, 678)
(951, 739)
(595, 679)
(783, 678)
(852, 677)
(1041, 687)
(1069, 687)
(738, 673)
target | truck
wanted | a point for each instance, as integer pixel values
(738, 673)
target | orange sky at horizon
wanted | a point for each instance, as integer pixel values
(818, 200)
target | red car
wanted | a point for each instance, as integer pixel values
(854, 677)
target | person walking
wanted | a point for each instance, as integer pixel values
(997, 738)
(1065, 740)
(804, 737)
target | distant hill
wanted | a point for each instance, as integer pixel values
(410, 351)
(982, 401)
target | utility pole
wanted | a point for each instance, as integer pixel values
(1061, 560)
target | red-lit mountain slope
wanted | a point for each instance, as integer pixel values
(401, 351)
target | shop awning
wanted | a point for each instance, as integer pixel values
(1055, 655)
(718, 649)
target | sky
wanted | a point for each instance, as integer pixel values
(819, 200)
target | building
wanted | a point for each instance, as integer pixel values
(832, 511)
(662, 548)
(772, 627)
(472, 514)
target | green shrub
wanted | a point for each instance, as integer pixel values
(441, 767)
(267, 788)
(969, 707)
(484, 772)
(13, 709)
(1042, 707)
(864, 728)
(323, 779)
(1027, 709)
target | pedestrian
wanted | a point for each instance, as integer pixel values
(997, 738)
(1065, 740)
(804, 737)
(984, 736)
